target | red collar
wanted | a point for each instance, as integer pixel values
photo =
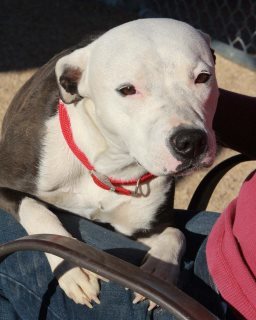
(102, 181)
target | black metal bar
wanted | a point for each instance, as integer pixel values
(205, 189)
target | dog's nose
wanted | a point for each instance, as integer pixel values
(188, 143)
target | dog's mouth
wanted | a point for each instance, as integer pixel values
(187, 167)
(184, 168)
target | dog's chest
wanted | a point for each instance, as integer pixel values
(65, 183)
(126, 214)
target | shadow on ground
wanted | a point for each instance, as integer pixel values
(33, 31)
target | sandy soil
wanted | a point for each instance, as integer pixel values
(230, 76)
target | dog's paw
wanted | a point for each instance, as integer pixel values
(81, 285)
(165, 271)
(138, 298)
(163, 259)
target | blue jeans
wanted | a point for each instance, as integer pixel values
(29, 291)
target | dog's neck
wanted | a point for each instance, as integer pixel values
(107, 153)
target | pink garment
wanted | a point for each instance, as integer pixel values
(231, 251)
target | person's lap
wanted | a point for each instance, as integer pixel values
(27, 283)
(29, 289)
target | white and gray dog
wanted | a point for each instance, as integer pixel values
(100, 130)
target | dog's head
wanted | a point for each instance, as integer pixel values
(153, 86)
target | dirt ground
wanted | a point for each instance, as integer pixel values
(230, 76)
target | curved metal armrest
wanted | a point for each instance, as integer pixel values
(166, 295)
(205, 189)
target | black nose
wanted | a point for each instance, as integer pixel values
(188, 143)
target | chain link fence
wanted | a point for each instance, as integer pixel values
(230, 23)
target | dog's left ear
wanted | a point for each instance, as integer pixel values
(213, 55)
(207, 38)
(70, 71)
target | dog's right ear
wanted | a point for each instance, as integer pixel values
(70, 71)
(207, 38)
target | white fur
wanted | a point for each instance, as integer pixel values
(79, 284)
(161, 58)
(65, 183)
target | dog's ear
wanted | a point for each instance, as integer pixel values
(213, 55)
(70, 70)
(207, 38)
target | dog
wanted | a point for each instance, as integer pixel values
(101, 129)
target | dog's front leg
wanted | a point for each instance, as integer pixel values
(79, 284)
(164, 256)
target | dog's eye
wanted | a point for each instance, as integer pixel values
(202, 77)
(127, 90)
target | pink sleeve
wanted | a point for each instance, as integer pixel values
(231, 251)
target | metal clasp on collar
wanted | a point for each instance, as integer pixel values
(137, 187)
(103, 179)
